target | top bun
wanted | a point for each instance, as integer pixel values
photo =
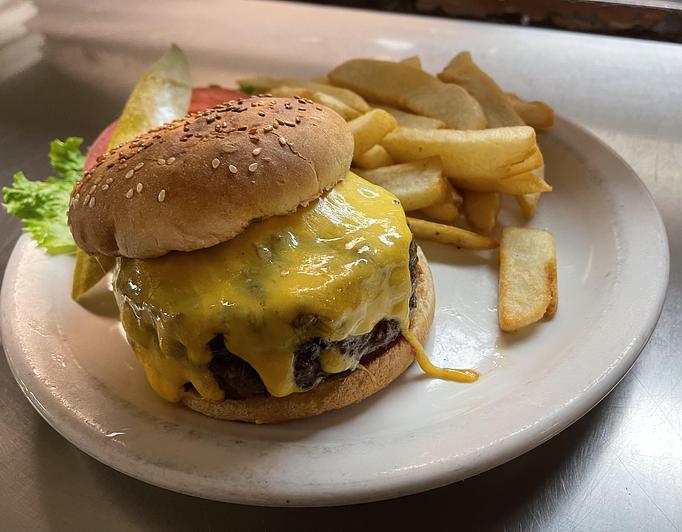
(202, 179)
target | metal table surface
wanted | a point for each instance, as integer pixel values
(618, 468)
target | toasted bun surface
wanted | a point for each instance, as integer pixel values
(335, 392)
(201, 180)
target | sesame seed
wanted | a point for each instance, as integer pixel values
(139, 188)
(256, 151)
(252, 167)
(162, 195)
(233, 168)
(93, 188)
(109, 181)
(224, 124)
(170, 160)
(86, 198)
(267, 128)
(215, 163)
(129, 194)
(138, 166)
(129, 174)
(282, 141)
(230, 148)
(105, 187)
(253, 181)
(91, 203)
(261, 113)
(161, 162)
(275, 125)
(298, 119)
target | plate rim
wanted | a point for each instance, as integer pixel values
(429, 476)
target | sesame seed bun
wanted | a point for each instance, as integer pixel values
(338, 391)
(203, 179)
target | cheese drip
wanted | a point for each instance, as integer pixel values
(449, 374)
(332, 269)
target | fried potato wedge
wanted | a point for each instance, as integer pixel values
(416, 184)
(447, 234)
(413, 61)
(528, 277)
(442, 213)
(486, 154)
(445, 212)
(535, 114)
(527, 183)
(410, 89)
(351, 99)
(480, 210)
(497, 108)
(528, 202)
(412, 120)
(346, 111)
(370, 129)
(375, 157)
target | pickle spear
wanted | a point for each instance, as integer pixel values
(161, 95)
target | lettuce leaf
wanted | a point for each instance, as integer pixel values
(42, 205)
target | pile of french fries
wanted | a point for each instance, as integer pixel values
(445, 145)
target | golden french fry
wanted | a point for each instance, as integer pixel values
(263, 83)
(535, 114)
(375, 157)
(445, 212)
(447, 234)
(411, 120)
(369, 129)
(346, 112)
(528, 202)
(528, 277)
(413, 61)
(526, 183)
(410, 89)
(498, 110)
(416, 184)
(442, 213)
(489, 153)
(480, 210)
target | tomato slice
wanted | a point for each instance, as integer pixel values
(202, 98)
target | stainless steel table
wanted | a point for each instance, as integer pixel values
(619, 468)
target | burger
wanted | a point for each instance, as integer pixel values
(258, 279)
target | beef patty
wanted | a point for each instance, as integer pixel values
(240, 381)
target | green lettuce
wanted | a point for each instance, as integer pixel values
(42, 205)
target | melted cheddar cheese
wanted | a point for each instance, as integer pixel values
(332, 269)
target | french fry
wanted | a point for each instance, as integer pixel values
(528, 277)
(486, 154)
(416, 184)
(447, 234)
(535, 114)
(410, 89)
(351, 99)
(375, 157)
(346, 112)
(526, 183)
(413, 61)
(528, 202)
(369, 129)
(480, 210)
(442, 213)
(445, 212)
(497, 108)
(411, 120)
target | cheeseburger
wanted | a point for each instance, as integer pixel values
(257, 278)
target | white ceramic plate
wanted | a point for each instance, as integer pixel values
(77, 370)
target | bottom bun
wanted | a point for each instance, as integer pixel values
(338, 391)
